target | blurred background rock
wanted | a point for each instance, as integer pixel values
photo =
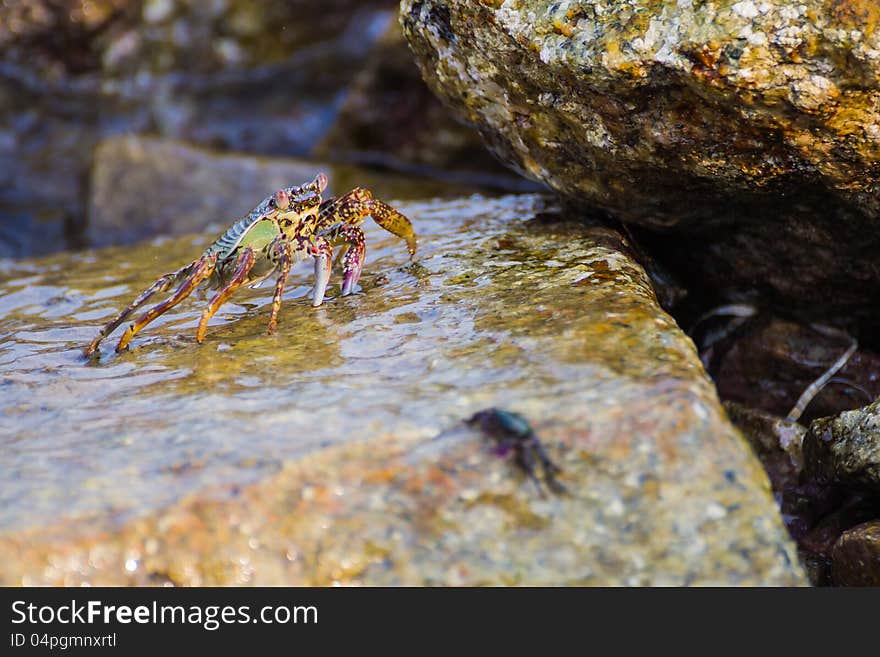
(300, 79)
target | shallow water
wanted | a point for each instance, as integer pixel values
(136, 430)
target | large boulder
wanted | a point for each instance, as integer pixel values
(336, 451)
(750, 130)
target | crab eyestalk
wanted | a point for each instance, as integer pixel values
(281, 199)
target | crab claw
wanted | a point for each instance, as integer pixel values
(352, 265)
(308, 190)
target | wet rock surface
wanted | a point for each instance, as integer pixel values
(335, 450)
(142, 187)
(745, 132)
(857, 556)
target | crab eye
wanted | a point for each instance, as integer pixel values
(321, 182)
(281, 199)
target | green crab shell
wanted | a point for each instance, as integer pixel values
(254, 231)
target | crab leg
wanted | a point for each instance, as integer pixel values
(322, 252)
(244, 263)
(354, 207)
(394, 222)
(351, 255)
(160, 285)
(202, 268)
(285, 258)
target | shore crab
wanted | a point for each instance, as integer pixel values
(293, 224)
(511, 431)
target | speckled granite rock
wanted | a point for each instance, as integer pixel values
(359, 404)
(845, 449)
(751, 130)
(856, 556)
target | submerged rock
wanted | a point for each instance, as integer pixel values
(846, 449)
(748, 130)
(335, 451)
(817, 546)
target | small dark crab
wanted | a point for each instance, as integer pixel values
(511, 431)
(293, 224)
